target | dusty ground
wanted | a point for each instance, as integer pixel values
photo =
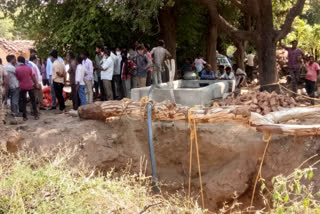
(229, 153)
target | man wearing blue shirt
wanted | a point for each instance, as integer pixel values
(207, 73)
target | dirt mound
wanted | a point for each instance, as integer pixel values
(229, 153)
(261, 102)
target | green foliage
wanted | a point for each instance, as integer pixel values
(307, 35)
(292, 194)
(70, 25)
(46, 183)
(140, 14)
(312, 14)
(191, 31)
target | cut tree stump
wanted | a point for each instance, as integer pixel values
(168, 111)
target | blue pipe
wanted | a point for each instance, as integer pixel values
(151, 148)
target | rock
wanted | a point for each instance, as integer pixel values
(262, 102)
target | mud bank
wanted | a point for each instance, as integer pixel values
(229, 153)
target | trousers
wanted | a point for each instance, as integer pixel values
(89, 91)
(126, 84)
(58, 87)
(2, 113)
(107, 86)
(74, 97)
(82, 94)
(52, 93)
(116, 82)
(39, 97)
(142, 82)
(23, 99)
(14, 100)
(295, 78)
(156, 75)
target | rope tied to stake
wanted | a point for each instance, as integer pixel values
(266, 138)
(193, 137)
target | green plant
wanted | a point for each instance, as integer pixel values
(49, 183)
(292, 194)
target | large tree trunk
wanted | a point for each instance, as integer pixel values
(167, 111)
(266, 46)
(267, 63)
(240, 53)
(212, 45)
(168, 25)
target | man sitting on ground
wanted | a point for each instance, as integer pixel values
(228, 75)
(240, 75)
(207, 73)
(220, 71)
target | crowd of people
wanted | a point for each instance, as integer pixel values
(111, 75)
(297, 61)
(204, 71)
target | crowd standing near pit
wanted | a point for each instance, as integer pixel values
(112, 74)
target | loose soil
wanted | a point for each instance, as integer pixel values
(229, 153)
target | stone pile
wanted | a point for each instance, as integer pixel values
(261, 102)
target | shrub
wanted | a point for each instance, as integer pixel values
(292, 194)
(46, 183)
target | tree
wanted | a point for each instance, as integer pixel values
(69, 25)
(264, 35)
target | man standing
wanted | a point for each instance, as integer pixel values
(27, 83)
(159, 55)
(149, 74)
(143, 64)
(250, 65)
(295, 56)
(59, 79)
(97, 72)
(107, 69)
(2, 85)
(13, 84)
(313, 69)
(49, 77)
(88, 77)
(80, 81)
(38, 91)
(116, 75)
(72, 75)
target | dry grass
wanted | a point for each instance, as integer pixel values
(46, 183)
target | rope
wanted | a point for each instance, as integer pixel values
(193, 137)
(266, 139)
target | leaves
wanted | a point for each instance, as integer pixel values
(291, 194)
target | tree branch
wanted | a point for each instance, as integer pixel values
(292, 14)
(246, 7)
(224, 25)
(233, 32)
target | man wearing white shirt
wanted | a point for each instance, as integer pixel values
(88, 77)
(228, 75)
(107, 69)
(116, 75)
(80, 72)
(250, 65)
(38, 91)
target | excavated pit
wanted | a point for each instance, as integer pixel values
(229, 153)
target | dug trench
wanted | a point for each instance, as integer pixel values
(230, 153)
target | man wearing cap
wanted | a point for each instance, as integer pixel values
(295, 56)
